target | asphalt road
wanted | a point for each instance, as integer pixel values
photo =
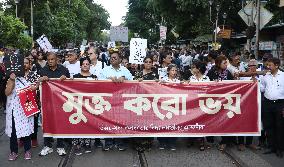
(182, 157)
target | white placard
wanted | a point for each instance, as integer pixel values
(163, 32)
(82, 48)
(111, 44)
(84, 42)
(138, 47)
(162, 72)
(118, 33)
(44, 44)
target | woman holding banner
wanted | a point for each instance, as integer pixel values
(85, 64)
(219, 72)
(18, 125)
(147, 73)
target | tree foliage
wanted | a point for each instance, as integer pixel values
(142, 20)
(12, 32)
(64, 21)
(189, 18)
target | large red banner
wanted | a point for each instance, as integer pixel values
(83, 108)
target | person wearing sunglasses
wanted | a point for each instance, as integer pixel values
(96, 65)
(118, 74)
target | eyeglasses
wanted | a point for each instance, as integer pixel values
(114, 58)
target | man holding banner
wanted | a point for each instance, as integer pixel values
(53, 70)
(116, 73)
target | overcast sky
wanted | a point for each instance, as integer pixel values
(116, 9)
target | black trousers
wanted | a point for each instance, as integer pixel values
(228, 139)
(115, 141)
(210, 139)
(49, 140)
(273, 123)
(14, 140)
(241, 140)
(168, 141)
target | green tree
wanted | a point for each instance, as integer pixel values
(191, 18)
(64, 21)
(142, 20)
(12, 32)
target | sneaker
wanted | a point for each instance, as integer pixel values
(88, 148)
(162, 147)
(98, 144)
(78, 150)
(12, 156)
(34, 143)
(61, 151)
(28, 155)
(173, 148)
(121, 147)
(106, 147)
(46, 150)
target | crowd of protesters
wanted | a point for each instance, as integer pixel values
(164, 65)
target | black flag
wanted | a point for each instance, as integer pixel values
(14, 63)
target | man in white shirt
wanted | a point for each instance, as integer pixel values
(96, 66)
(248, 140)
(74, 64)
(186, 60)
(272, 86)
(236, 67)
(211, 60)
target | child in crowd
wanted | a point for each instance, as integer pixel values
(172, 77)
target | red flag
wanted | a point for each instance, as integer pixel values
(28, 101)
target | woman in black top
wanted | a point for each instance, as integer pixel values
(219, 70)
(147, 72)
(85, 64)
(142, 144)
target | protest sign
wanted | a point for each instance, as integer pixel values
(138, 47)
